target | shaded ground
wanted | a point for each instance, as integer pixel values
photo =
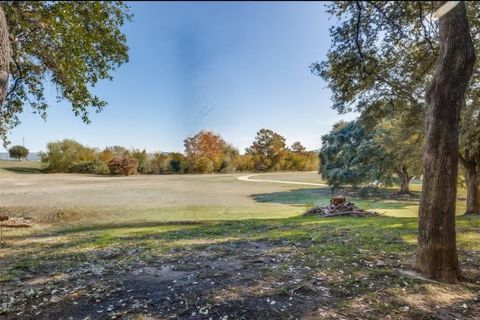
(9, 166)
(304, 268)
(387, 202)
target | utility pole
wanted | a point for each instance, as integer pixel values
(23, 141)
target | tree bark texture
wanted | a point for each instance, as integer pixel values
(5, 55)
(437, 252)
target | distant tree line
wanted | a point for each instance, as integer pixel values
(205, 152)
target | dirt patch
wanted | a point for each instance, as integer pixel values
(227, 281)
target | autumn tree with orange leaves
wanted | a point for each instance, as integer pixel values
(207, 152)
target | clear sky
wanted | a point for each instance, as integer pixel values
(233, 68)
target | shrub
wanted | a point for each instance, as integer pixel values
(141, 157)
(61, 155)
(245, 163)
(160, 163)
(200, 164)
(18, 152)
(81, 167)
(227, 166)
(106, 155)
(101, 168)
(93, 167)
(125, 165)
(178, 163)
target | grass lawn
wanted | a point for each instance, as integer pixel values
(200, 247)
(8, 166)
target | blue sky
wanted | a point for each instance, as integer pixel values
(233, 68)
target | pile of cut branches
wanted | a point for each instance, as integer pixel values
(342, 209)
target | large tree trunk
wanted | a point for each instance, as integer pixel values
(437, 251)
(5, 55)
(404, 180)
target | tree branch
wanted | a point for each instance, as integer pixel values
(20, 75)
(427, 38)
(357, 37)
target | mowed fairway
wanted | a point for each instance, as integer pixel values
(140, 197)
(74, 198)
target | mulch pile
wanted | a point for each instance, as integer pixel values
(343, 209)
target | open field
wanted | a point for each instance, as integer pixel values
(212, 246)
(7, 167)
(102, 199)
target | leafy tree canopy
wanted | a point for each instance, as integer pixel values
(382, 58)
(18, 152)
(72, 44)
(268, 150)
(298, 147)
(350, 155)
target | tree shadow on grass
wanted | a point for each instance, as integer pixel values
(321, 197)
(255, 269)
(24, 170)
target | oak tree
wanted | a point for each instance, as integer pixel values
(350, 155)
(18, 152)
(69, 44)
(384, 54)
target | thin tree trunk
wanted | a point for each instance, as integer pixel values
(473, 187)
(472, 193)
(437, 250)
(404, 180)
(478, 193)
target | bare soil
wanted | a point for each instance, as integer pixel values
(227, 281)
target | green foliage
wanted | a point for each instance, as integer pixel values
(162, 163)
(269, 153)
(379, 64)
(268, 150)
(297, 147)
(379, 56)
(230, 159)
(141, 157)
(350, 155)
(18, 152)
(72, 44)
(301, 161)
(245, 163)
(402, 140)
(125, 165)
(201, 164)
(206, 152)
(89, 166)
(381, 59)
(61, 155)
(178, 163)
